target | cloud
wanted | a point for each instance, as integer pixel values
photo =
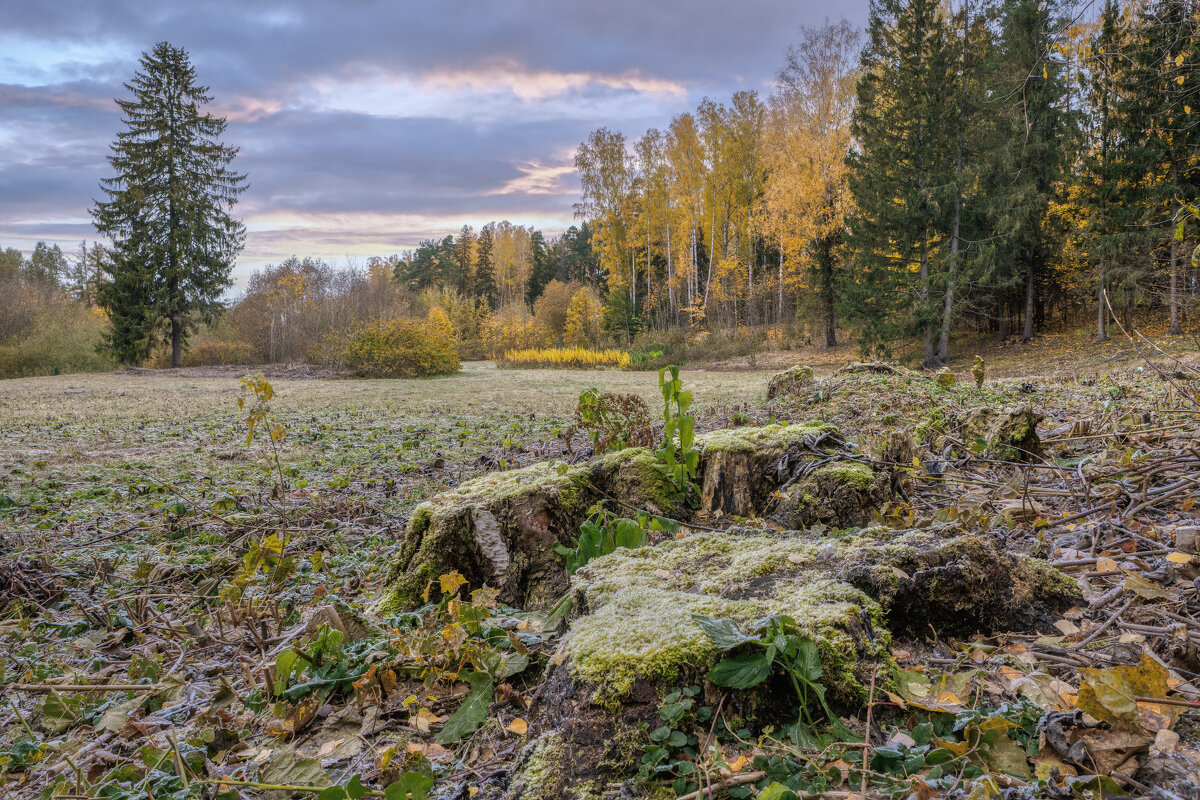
(366, 127)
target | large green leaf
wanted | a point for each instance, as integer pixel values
(472, 713)
(724, 633)
(741, 671)
(808, 660)
(629, 534)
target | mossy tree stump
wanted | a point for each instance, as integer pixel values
(634, 635)
(500, 530)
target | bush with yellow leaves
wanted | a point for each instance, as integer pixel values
(513, 329)
(403, 348)
(566, 358)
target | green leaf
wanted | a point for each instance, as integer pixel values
(59, 713)
(411, 786)
(724, 633)
(472, 713)
(808, 660)
(629, 534)
(285, 666)
(332, 793)
(741, 671)
(511, 663)
(284, 767)
(355, 789)
(777, 791)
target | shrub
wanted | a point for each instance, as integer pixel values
(402, 348)
(566, 358)
(513, 330)
(62, 340)
(614, 421)
(583, 319)
(551, 308)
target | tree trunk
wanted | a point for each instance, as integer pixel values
(176, 343)
(1101, 311)
(780, 284)
(1176, 329)
(930, 359)
(943, 351)
(828, 299)
(1028, 334)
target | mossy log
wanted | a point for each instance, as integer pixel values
(796, 474)
(634, 636)
(500, 529)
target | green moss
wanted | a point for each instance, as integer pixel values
(1037, 578)
(541, 778)
(767, 439)
(858, 475)
(550, 476)
(641, 603)
(788, 381)
(636, 477)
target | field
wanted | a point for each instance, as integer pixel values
(160, 576)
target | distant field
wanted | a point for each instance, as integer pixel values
(91, 429)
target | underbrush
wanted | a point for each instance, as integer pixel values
(401, 348)
(62, 341)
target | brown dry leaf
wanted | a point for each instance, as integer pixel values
(1109, 749)
(1066, 627)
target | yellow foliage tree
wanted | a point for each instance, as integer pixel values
(583, 319)
(806, 198)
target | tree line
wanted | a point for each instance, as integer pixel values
(981, 165)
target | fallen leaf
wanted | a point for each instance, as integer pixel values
(518, 726)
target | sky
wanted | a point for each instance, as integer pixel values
(366, 127)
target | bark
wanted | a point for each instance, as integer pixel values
(1028, 334)
(1176, 329)
(176, 343)
(828, 298)
(927, 328)
(1101, 311)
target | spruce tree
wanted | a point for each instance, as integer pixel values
(899, 173)
(167, 210)
(1159, 137)
(485, 267)
(1099, 179)
(1035, 129)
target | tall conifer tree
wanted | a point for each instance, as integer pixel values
(899, 172)
(168, 210)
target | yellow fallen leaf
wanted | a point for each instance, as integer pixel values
(518, 726)
(1179, 60)
(1179, 80)
(739, 763)
(1106, 565)
(1178, 558)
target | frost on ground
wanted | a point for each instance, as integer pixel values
(883, 580)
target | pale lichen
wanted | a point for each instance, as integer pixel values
(541, 776)
(774, 438)
(640, 604)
